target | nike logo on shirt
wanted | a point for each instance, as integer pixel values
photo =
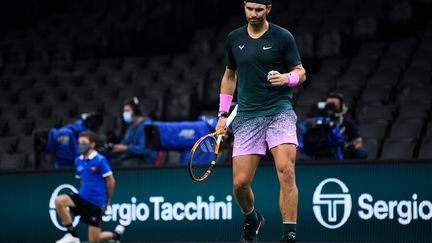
(266, 48)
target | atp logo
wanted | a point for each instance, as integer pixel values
(52, 209)
(331, 203)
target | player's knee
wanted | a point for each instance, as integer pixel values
(59, 201)
(241, 184)
(287, 176)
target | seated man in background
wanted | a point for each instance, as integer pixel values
(353, 145)
(132, 150)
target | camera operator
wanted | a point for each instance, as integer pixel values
(132, 150)
(353, 144)
(329, 133)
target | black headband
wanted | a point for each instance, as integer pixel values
(265, 2)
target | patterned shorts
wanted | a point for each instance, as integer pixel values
(253, 135)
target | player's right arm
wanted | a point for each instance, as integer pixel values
(228, 86)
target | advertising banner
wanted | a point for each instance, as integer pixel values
(382, 202)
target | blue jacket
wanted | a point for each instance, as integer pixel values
(63, 143)
(134, 138)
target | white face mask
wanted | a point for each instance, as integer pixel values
(127, 117)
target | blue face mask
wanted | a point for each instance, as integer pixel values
(83, 148)
(127, 117)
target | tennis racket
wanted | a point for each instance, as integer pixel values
(205, 152)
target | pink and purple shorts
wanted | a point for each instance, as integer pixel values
(253, 135)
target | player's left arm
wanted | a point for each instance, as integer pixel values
(296, 75)
(300, 71)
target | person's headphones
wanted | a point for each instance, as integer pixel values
(135, 105)
(340, 97)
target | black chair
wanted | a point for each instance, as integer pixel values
(118, 78)
(26, 146)
(8, 144)
(134, 63)
(69, 80)
(64, 111)
(371, 113)
(30, 96)
(372, 146)
(80, 95)
(96, 80)
(20, 127)
(397, 149)
(8, 97)
(3, 127)
(375, 130)
(55, 95)
(13, 161)
(46, 81)
(111, 64)
(406, 129)
(46, 124)
(377, 95)
(425, 151)
(11, 112)
(413, 111)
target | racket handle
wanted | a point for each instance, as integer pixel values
(232, 116)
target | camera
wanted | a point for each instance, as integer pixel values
(321, 137)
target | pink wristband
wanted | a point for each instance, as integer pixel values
(225, 102)
(293, 79)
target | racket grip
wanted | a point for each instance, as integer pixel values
(232, 116)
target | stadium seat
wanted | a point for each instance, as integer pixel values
(26, 146)
(3, 127)
(46, 81)
(13, 161)
(135, 63)
(397, 150)
(374, 130)
(425, 151)
(30, 96)
(8, 144)
(371, 113)
(70, 80)
(413, 111)
(20, 127)
(17, 111)
(371, 145)
(378, 95)
(406, 130)
(8, 97)
(55, 95)
(120, 78)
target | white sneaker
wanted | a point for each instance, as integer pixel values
(68, 238)
(119, 229)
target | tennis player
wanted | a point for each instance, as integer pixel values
(263, 61)
(95, 194)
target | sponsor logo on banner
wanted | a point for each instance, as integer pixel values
(157, 208)
(331, 202)
(402, 211)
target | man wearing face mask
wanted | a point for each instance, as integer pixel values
(97, 186)
(132, 150)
